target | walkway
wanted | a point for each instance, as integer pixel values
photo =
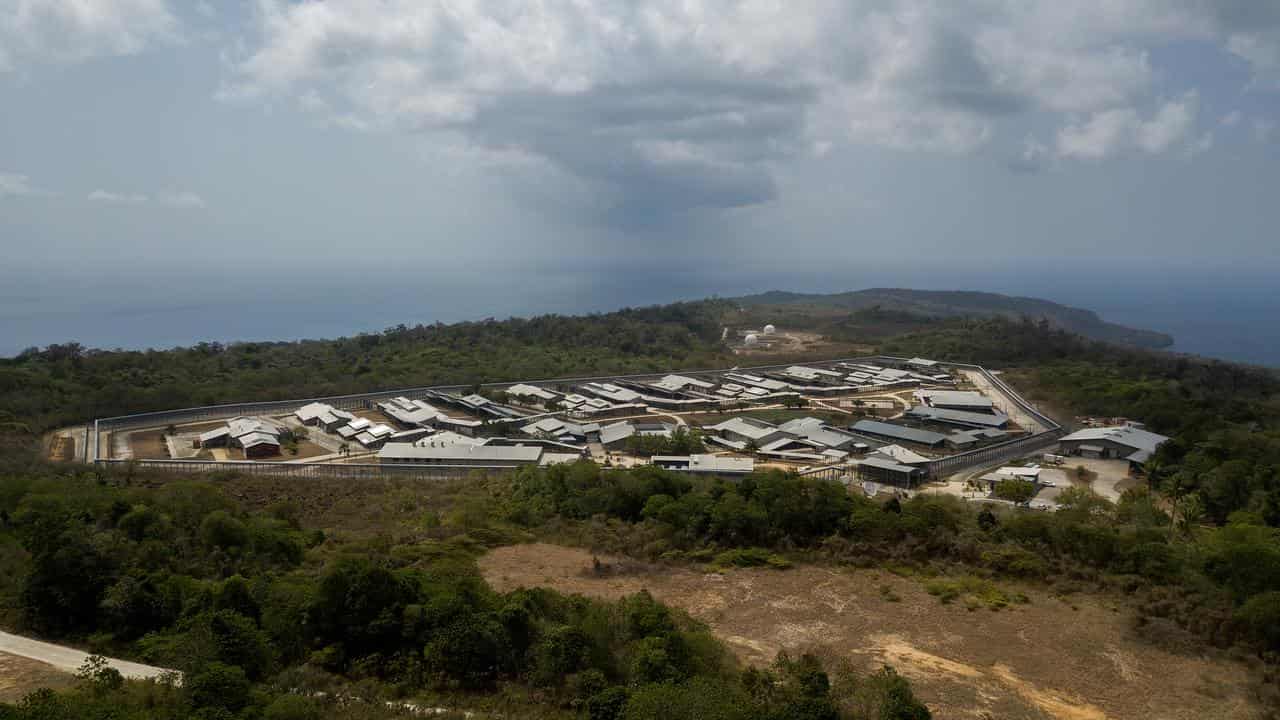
(70, 659)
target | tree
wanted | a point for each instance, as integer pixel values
(1015, 490)
(218, 686)
(1260, 616)
(987, 520)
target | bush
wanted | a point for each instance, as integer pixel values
(293, 707)
(219, 686)
(751, 557)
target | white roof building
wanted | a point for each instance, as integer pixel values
(705, 463)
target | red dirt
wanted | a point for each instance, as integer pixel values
(1046, 659)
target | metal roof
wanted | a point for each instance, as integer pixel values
(959, 417)
(705, 463)
(496, 453)
(901, 454)
(955, 398)
(888, 465)
(1126, 435)
(747, 427)
(882, 429)
(214, 434)
(610, 434)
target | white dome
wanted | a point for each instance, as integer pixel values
(769, 329)
(752, 339)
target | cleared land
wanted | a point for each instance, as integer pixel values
(1070, 659)
(20, 676)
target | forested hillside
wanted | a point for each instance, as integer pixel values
(925, 304)
(67, 383)
(263, 611)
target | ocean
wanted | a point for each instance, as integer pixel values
(1228, 318)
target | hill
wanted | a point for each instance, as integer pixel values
(949, 304)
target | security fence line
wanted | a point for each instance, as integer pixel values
(360, 401)
(312, 471)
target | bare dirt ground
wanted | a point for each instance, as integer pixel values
(1044, 660)
(1002, 401)
(20, 676)
(799, 343)
(149, 445)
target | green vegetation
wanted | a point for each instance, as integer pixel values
(63, 384)
(1219, 582)
(974, 592)
(270, 618)
(683, 441)
(1015, 490)
(920, 305)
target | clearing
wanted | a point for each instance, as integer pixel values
(1049, 659)
(21, 676)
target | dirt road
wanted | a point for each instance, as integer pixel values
(70, 659)
(1051, 659)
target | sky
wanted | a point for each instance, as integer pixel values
(152, 150)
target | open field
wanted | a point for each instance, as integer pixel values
(20, 676)
(1054, 659)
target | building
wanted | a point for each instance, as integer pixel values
(1129, 442)
(898, 433)
(218, 437)
(533, 394)
(705, 464)
(960, 418)
(816, 431)
(612, 393)
(1010, 472)
(259, 445)
(311, 413)
(459, 454)
(258, 436)
(334, 419)
(409, 413)
(411, 435)
(615, 436)
(549, 446)
(964, 439)
(956, 400)
(889, 472)
(562, 430)
(899, 454)
(748, 430)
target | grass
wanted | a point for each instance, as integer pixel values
(750, 557)
(974, 592)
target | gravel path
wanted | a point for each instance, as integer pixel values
(70, 659)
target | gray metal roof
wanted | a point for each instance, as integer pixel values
(1125, 435)
(460, 452)
(888, 465)
(705, 463)
(959, 417)
(883, 429)
(610, 434)
(747, 427)
(955, 398)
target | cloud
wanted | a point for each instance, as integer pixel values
(1110, 132)
(673, 105)
(68, 31)
(182, 200)
(17, 185)
(111, 198)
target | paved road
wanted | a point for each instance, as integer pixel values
(70, 659)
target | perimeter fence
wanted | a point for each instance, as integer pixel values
(1049, 433)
